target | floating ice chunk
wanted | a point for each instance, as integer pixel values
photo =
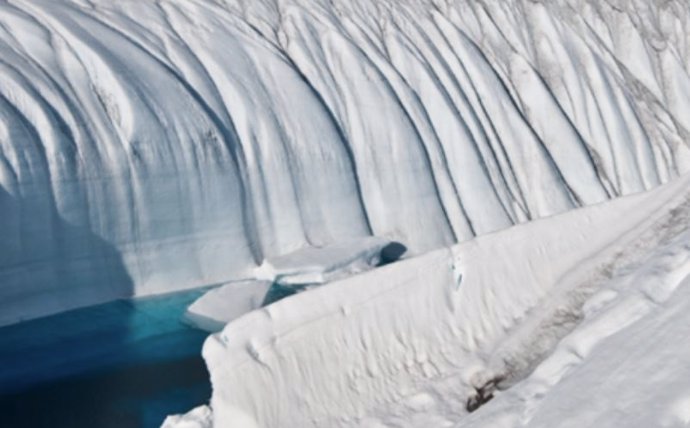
(318, 265)
(223, 304)
(199, 417)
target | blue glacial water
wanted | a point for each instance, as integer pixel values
(127, 363)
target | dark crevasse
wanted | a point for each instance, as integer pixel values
(127, 363)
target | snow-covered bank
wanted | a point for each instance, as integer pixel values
(626, 363)
(200, 417)
(153, 146)
(409, 344)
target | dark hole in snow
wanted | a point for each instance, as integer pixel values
(483, 395)
(392, 253)
(476, 401)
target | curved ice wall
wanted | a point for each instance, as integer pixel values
(148, 146)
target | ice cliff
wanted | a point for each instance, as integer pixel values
(147, 146)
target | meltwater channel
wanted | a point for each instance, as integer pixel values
(126, 363)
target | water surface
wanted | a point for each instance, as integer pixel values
(127, 363)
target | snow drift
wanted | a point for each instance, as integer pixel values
(411, 344)
(154, 146)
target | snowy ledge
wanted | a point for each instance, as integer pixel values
(418, 340)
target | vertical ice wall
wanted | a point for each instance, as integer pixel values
(152, 146)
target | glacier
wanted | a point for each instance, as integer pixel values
(532, 156)
(148, 147)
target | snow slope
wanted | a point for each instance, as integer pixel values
(148, 146)
(560, 313)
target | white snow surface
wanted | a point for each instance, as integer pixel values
(150, 146)
(225, 303)
(578, 319)
(318, 265)
(200, 417)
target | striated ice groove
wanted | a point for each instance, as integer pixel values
(150, 146)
